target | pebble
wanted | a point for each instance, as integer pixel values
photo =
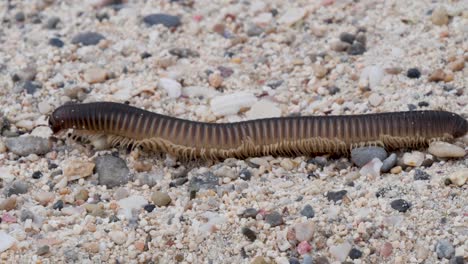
(31, 86)
(371, 75)
(250, 213)
(355, 254)
(95, 75)
(320, 71)
(44, 198)
(215, 80)
(118, 237)
(82, 195)
(24, 146)
(58, 205)
(347, 37)
(254, 30)
(131, 204)
(76, 169)
(375, 99)
(459, 177)
(445, 150)
(245, 174)
(203, 181)
(172, 87)
(263, 109)
(20, 17)
(44, 107)
(43, 250)
(336, 196)
(8, 204)
(304, 231)
(357, 48)
(389, 163)
(304, 247)
(259, 260)
(413, 73)
(437, 76)
(457, 65)
(274, 219)
(414, 159)
(308, 211)
(160, 198)
(150, 179)
(341, 251)
(372, 169)
(400, 205)
(363, 155)
(166, 20)
(231, 104)
(6, 241)
(26, 214)
(319, 260)
(339, 46)
(17, 187)
(444, 249)
(184, 53)
(393, 70)
(87, 38)
(56, 42)
(386, 249)
(420, 175)
(440, 16)
(3, 147)
(52, 22)
(112, 171)
(249, 233)
(292, 16)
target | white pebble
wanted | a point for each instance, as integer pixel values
(292, 16)
(42, 131)
(263, 109)
(373, 75)
(26, 124)
(6, 241)
(199, 91)
(375, 99)
(341, 251)
(460, 177)
(128, 204)
(118, 237)
(414, 158)
(446, 150)
(172, 87)
(95, 75)
(372, 168)
(231, 104)
(304, 231)
(44, 107)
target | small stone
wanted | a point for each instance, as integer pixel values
(56, 42)
(304, 231)
(76, 169)
(393, 70)
(215, 80)
(308, 211)
(184, 53)
(320, 71)
(437, 76)
(292, 16)
(263, 109)
(3, 147)
(150, 179)
(274, 219)
(160, 198)
(96, 210)
(20, 17)
(356, 49)
(250, 212)
(245, 174)
(87, 38)
(166, 20)
(52, 23)
(203, 181)
(372, 168)
(347, 37)
(389, 163)
(444, 249)
(26, 214)
(355, 254)
(8, 204)
(249, 233)
(386, 250)
(6, 241)
(149, 208)
(121, 193)
(446, 150)
(259, 260)
(24, 146)
(400, 205)
(440, 16)
(58, 205)
(44, 198)
(82, 195)
(420, 175)
(17, 187)
(112, 171)
(95, 75)
(43, 250)
(457, 65)
(254, 31)
(413, 73)
(173, 88)
(336, 196)
(339, 46)
(414, 159)
(118, 237)
(294, 261)
(341, 251)
(131, 204)
(231, 104)
(375, 99)
(304, 247)
(457, 260)
(31, 87)
(319, 260)
(459, 177)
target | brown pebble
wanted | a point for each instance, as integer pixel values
(215, 80)
(440, 16)
(396, 170)
(92, 247)
(457, 65)
(437, 76)
(8, 204)
(320, 71)
(140, 246)
(339, 46)
(141, 166)
(393, 70)
(449, 77)
(386, 250)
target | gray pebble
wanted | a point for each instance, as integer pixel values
(389, 163)
(87, 38)
(183, 53)
(319, 161)
(17, 187)
(293, 260)
(20, 17)
(245, 174)
(356, 49)
(250, 212)
(52, 23)
(444, 249)
(169, 21)
(249, 233)
(203, 181)
(150, 179)
(23, 146)
(347, 37)
(112, 171)
(70, 255)
(420, 175)
(361, 156)
(43, 250)
(31, 87)
(336, 196)
(274, 219)
(400, 205)
(56, 42)
(321, 260)
(457, 260)
(307, 259)
(254, 31)
(26, 214)
(308, 211)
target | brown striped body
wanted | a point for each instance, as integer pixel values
(286, 136)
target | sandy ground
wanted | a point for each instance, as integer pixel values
(63, 201)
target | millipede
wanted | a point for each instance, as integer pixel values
(126, 125)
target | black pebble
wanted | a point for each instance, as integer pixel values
(420, 175)
(145, 55)
(52, 166)
(37, 175)
(56, 42)
(355, 253)
(412, 107)
(163, 19)
(308, 211)
(423, 104)
(347, 37)
(245, 174)
(149, 207)
(294, 261)
(400, 205)
(249, 233)
(336, 196)
(31, 87)
(58, 205)
(357, 48)
(87, 38)
(413, 73)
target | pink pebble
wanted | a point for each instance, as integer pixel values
(304, 247)
(328, 2)
(197, 18)
(386, 249)
(7, 218)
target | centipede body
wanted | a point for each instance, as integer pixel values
(284, 136)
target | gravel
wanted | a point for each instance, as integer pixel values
(112, 171)
(24, 146)
(308, 211)
(444, 249)
(400, 205)
(274, 219)
(87, 38)
(336, 196)
(166, 20)
(362, 156)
